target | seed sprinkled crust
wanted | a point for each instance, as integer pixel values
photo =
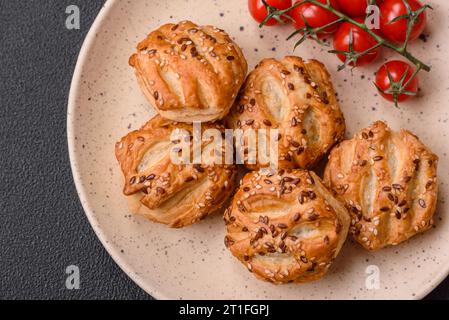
(299, 103)
(152, 182)
(275, 224)
(390, 198)
(177, 63)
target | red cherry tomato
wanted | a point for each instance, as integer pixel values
(315, 16)
(397, 30)
(259, 12)
(396, 69)
(353, 8)
(362, 41)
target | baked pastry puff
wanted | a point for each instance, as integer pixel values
(164, 191)
(388, 181)
(189, 72)
(298, 99)
(285, 227)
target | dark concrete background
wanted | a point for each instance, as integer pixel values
(43, 228)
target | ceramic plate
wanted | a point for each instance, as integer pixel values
(192, 263)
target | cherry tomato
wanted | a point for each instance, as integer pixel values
(396, 69)
(353, 8)
(397, 30)
(315, 16)
(259, 12)
(361, 42)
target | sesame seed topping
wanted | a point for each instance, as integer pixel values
(422, 203)
(296, 217)
(391, 197)
(267, 122)
(294, 122)
(298, 68)
(312, 216)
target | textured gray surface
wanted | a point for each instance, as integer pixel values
(43, 228)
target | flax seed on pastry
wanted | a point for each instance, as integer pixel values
(285, 227)
(298, 99)
(388, 181)
(164, 191)
(189, 72)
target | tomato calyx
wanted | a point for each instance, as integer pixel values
(308, 32)
(412, 17)
(274, 13)
(352, 56)
(399, 88)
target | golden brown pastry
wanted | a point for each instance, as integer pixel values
(388, 181)
(297, 98)
(160, 189)
(285, 227)
(189, 72)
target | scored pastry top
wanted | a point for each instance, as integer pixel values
(388, 181)
(298, 99)
(162, 190)
(190, 72)
(285, 227)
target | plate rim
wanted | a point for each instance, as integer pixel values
(81, 191)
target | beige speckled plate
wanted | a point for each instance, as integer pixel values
(105, 103)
